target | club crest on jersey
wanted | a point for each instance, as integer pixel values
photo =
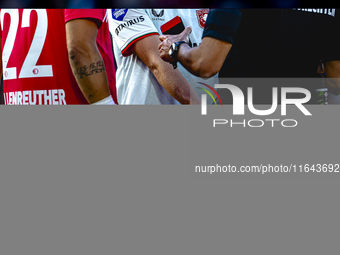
(118, 14)
(35, 71)
(202, 17)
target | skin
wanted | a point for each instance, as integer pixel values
(204, 61)
(207, 59)
(89, 71)
(171, 79)
(86, 61)
(332, 70)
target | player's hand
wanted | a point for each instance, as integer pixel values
(167, 40)
(164, 47)
(184, 36)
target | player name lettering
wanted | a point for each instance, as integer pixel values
(129, 23)
(330, 12)
(36, 97)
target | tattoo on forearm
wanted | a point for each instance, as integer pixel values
(93, 68)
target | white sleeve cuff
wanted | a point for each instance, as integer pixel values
(105, 101)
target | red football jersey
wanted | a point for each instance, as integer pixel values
(36, 68)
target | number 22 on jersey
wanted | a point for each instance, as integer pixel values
(29, 68)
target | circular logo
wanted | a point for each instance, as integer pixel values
(35, 71)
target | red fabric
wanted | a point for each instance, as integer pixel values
(48, 50)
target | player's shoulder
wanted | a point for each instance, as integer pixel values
(128, 22)
(122, 15)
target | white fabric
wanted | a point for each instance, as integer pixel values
(106, 101)
(135, 83)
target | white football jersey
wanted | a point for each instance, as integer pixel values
(135, 82)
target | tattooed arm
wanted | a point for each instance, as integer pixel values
(86, 62)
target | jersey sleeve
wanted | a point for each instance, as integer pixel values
(127, 26)
(71, 14)
(222, 24)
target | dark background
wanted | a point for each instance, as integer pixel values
(154, 3)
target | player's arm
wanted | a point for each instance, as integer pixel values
(86, 61)
(171, 79)
(204, 61)
(218, 36)
(332, 70)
